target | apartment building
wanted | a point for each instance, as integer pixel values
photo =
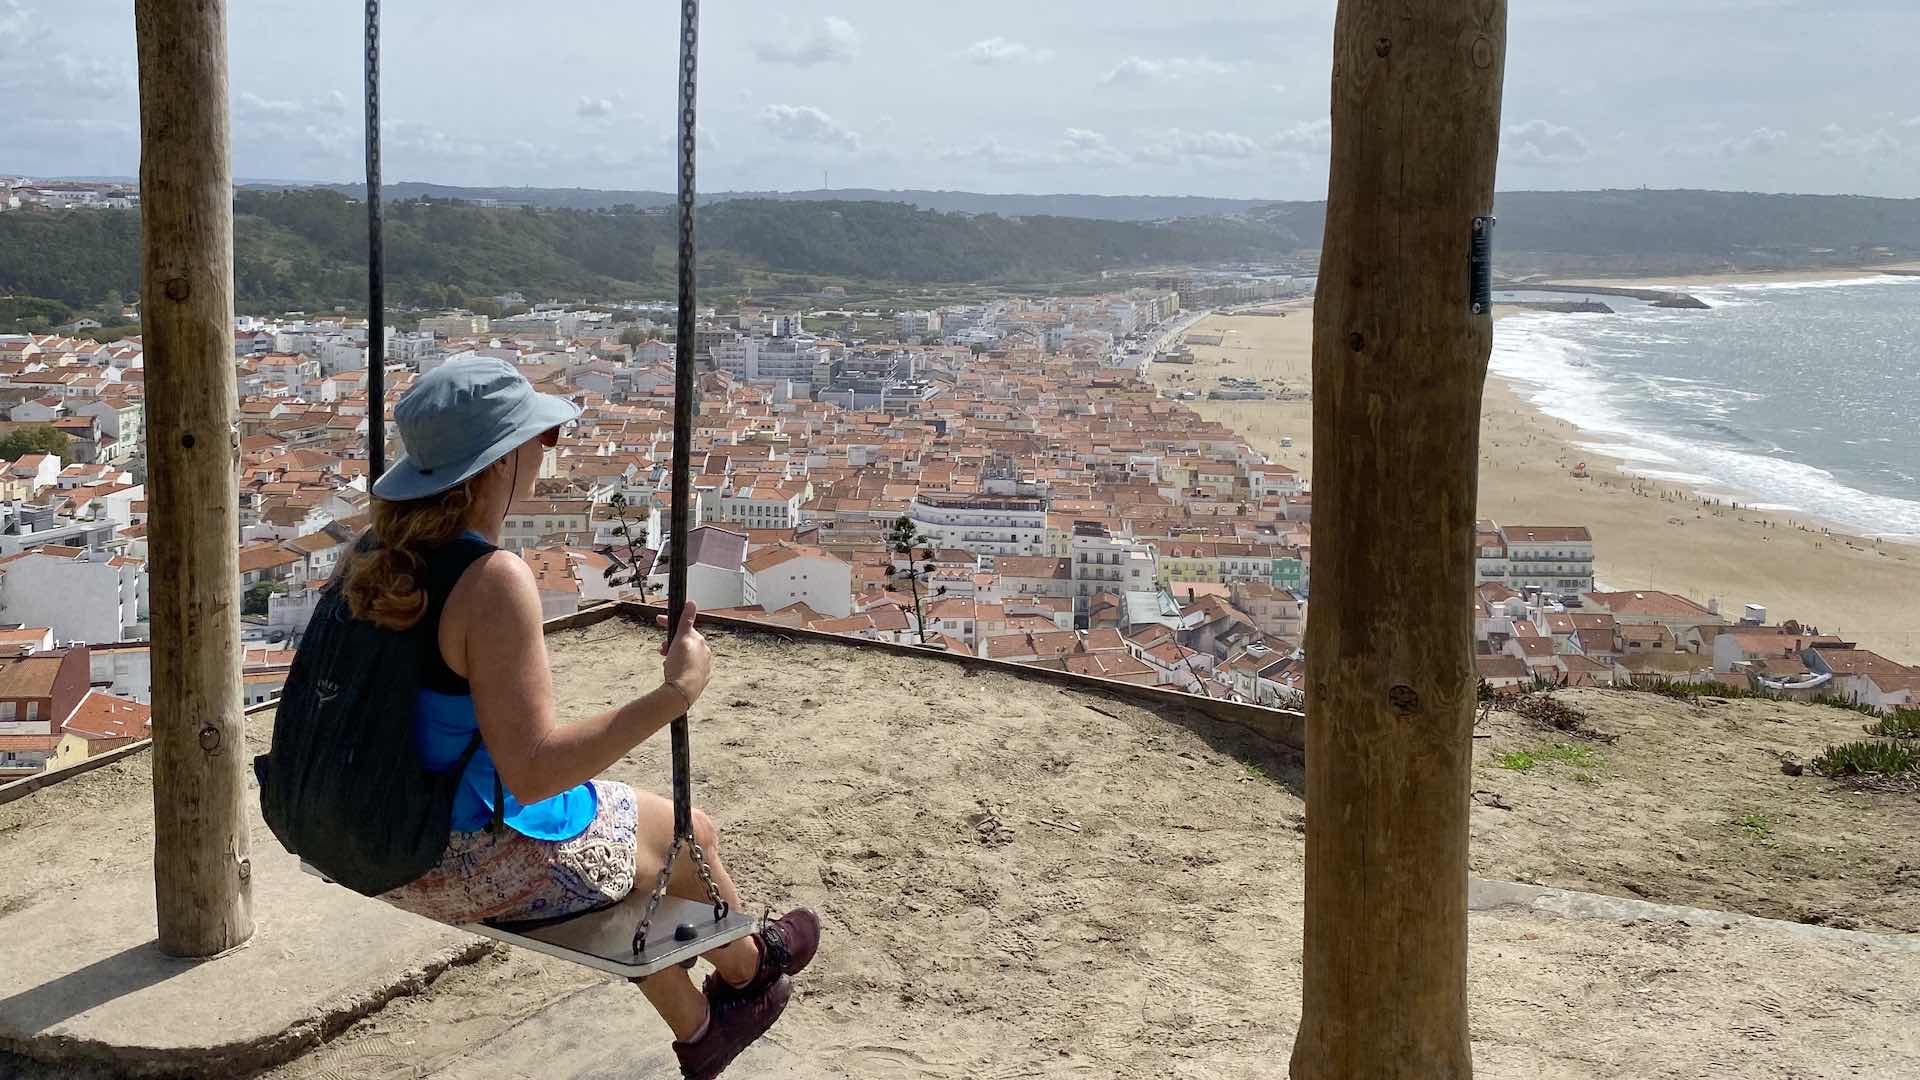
(984, 524)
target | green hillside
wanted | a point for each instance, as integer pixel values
(307, 249)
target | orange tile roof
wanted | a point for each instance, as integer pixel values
(103, 716)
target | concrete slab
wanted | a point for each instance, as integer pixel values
(1485, 895)
(606, 1032)
(84, 982)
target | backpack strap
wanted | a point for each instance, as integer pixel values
(499, 819)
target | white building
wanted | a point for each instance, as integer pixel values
(83, 596)
(716, 574)
(340, 354)
(762, 506)
(459, 324)
(786, 574)
(1556, 559)
(1102, 562)
(984, 524)
(1273, 480)
(917, 324)
(547, 522)
(121, 418)
(38, 470)
(125, 669)
(791, 359)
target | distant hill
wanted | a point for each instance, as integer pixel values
(306, 248)
(1643, 231)
(1099, 207)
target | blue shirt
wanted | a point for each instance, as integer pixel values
(443, 725)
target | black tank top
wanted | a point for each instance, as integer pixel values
(445, 565)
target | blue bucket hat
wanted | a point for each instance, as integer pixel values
(460, 418)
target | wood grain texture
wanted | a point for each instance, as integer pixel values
(201, 863)
(1399, 363)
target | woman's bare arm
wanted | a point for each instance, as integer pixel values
(491, 634)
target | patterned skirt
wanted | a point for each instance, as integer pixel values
(512, 877)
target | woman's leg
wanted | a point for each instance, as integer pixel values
(737, 961)
(679, 1002)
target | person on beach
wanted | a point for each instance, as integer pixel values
(475, 434)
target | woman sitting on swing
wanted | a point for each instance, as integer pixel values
(475, 432)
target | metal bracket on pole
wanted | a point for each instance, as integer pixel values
(1480, 266)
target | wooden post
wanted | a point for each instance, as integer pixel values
(201, 857)
(1399, 363)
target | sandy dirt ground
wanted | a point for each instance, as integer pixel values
(1020, 881)
(1689, 805)
(1017, 881)
(1647, 534)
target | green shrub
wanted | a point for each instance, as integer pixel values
(1835, 701)
(1903, 724)
(1578, 757)
(1869, 758)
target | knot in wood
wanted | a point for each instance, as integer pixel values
(178, 290)
(1403, 699)
(1482, 52)
(246, 869)
(1382, 47)
(1356, 342)
(209, 738)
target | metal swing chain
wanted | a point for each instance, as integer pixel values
(683, 410)
(376, 257)
(653, 901)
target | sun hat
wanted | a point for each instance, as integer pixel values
(460, 418)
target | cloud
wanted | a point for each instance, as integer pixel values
(88, 76)
(833, 41)
(319, 125)
(1876, 143)
(427, 143)
(1081, 146)
(993, 152)
(592, 108)
(1761, 140)
(1138, 70)
(998, 50)
(1076, 147)
(1306, 137)
(20, 33)
(1544, 143)
(1911, 121)
(804, 123)
(31, 66)
(1172, 145)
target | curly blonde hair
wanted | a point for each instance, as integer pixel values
(386, 584)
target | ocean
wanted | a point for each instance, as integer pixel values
(1801, 398)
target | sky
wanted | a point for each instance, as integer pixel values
(1201, 97)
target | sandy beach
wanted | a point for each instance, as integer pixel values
(1646, 534)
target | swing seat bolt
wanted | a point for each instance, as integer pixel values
(685, 932)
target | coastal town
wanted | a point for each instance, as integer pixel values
(1064, 510)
